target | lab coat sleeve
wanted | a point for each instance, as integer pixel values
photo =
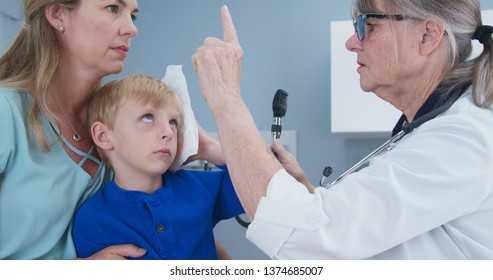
(436, 175)
(282, 211)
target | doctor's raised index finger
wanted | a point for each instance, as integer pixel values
(229, 29)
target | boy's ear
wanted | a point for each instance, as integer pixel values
(99, 133)
(56, 15)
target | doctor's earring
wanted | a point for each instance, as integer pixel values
(60, 28)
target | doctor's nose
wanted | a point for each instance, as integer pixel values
(353, 44)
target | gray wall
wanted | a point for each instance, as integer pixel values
(286, 45)
(10, 21)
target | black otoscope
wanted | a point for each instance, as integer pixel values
(279, 107)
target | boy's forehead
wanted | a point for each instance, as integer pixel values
(149, 104)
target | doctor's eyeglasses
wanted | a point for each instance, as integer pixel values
(359, 24)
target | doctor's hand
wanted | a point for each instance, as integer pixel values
(291, 165)
(218, 62)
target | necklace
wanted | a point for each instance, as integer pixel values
(76, 136)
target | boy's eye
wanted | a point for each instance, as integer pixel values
(148, 118)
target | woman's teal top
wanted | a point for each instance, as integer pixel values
(39, 191)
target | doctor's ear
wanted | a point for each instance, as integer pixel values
(100, 136)
(433, 31)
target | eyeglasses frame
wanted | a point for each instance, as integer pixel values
(359, 23)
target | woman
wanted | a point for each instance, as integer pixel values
(48, 164)
(429, 196)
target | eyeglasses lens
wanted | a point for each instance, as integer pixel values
(359, 27)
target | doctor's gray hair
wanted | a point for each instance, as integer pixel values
(460, 18)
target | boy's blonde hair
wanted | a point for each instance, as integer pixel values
(142, 89)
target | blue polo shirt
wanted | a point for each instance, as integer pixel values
(174, 222)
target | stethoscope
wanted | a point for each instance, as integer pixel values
(385, 147)
(392, 142)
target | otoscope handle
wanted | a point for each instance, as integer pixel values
(279, 108)
(276, 128)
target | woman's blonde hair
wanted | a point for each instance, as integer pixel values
(461, 18)
(31, 62)
(141, 89)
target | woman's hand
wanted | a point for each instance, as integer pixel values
(118, 252)
(291, 164)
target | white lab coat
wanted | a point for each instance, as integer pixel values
(431, 197)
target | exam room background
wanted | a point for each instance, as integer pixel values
(286, 45)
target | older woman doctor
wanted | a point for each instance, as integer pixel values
(430, 197)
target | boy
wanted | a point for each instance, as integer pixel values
(135, 124)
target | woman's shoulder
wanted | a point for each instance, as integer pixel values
(13, 98)
(12, 93)
(13, 106)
